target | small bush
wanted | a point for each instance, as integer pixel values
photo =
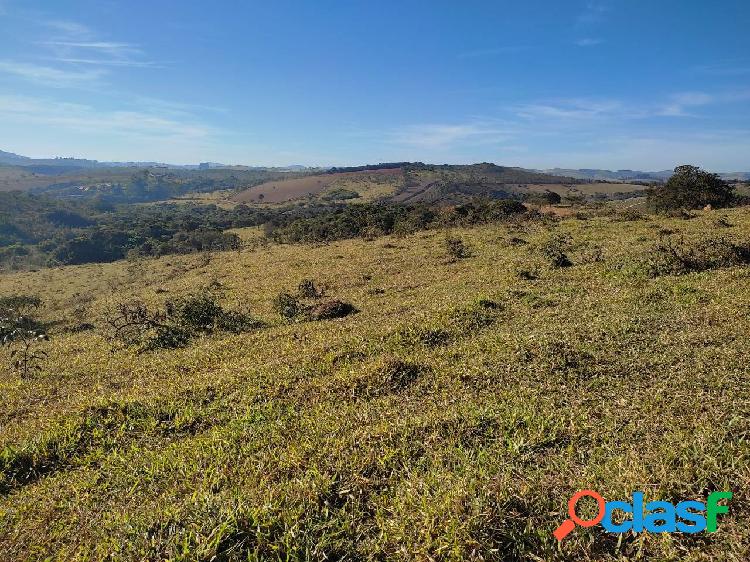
(288, 306)
(456, 248)
(195, 312)
(306, 305)
(677, 256)
(167, 337)
(237, 322)
(555, 250)
(307, 290)
(135, 324)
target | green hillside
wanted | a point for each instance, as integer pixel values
(480, 377)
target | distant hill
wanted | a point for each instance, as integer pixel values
(610, 175)
(632, 175)
(405, 182)
(11, 159)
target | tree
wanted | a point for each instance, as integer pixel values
(690, 188)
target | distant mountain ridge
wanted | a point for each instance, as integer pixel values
(11, 159)
(630, 175)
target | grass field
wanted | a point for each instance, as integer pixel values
(450, 418)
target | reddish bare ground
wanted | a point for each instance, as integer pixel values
(286, 190)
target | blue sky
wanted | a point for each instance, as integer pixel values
(593, 83)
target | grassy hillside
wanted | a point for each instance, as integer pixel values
(450, 418)
(424, 183)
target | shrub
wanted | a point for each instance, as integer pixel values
(288, 306)
(25, 358)
(294, 307)
(677, 256)
(167, 337)
(330, 309)
(195, 312)
(340, 194)
(456, 248)
(690, 188)
(555, 250)
(134, 323)
(307, 289)
(16, 314)
(237, 322)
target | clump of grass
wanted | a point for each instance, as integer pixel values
(479, 315)
(388, 376)
(410, 336)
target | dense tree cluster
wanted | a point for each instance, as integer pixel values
(41, 230)
(381, 219)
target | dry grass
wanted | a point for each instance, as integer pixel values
(370, 184)
(450, 419)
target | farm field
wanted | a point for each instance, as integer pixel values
(450, 417)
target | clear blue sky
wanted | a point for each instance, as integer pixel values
(642, 84)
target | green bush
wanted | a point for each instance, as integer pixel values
(690, 188)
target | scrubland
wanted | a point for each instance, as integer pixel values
(450, 418)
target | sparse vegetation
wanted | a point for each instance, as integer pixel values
(450, 419)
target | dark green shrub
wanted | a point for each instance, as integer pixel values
(195, 312)
(167, 337)
(690, 188)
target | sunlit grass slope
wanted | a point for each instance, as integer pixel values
(451, 418)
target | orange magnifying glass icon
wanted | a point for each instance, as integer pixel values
(569, 524)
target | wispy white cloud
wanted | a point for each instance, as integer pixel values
(594, 12)
(588, 42)
(574, 109)
(69, 28)
(433, 136)
(149, 127)
(679, 103)
(50, 76)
